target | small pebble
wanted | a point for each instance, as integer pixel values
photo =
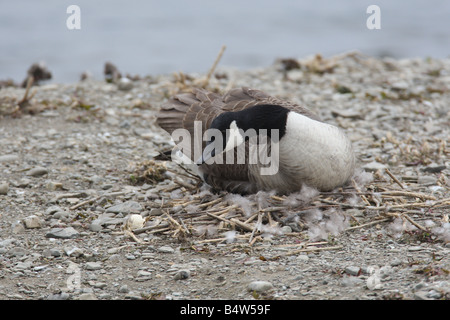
(427, 180)
(126, 208)
(374, 166)
(143, 273)
(352, 270)
(59, 296)
(32, 222)
(92, 266)
(302, 258)
(17, 227)
(4, 187)
(87, 296)
(8, 158)
(166, 249)
(95, 227)
(125, 84)
(24, 182)
(52, 186)
(259, 286)
(182, 275)
(73, 252)
(63, 233)
(37, 172)
(124, 289)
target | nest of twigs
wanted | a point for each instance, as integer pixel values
(191, 212)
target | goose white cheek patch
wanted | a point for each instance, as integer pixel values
(235, 138)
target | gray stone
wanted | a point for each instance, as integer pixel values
(54, 185)
(37, 172)
(87, 296)
(63, 233)
(427, 180)
(374, 166)
(182, 275)
(133, 296)
(396, 262)
(352, 270)
(348, 281)
(302, 258)
(53, 209)
(73, 251)
(59, 296)
(166, 249)
(24, 182)
(415, 248)
(9, 158)
(124, 289)
(40, 268)
(156, 212)
(55, 253)
(7, 242)
(22, 266)
(18, 252)
(125, 84)
(32, 222)
(126, 208)
(107, 219)
(99, 285)
(95, 226)
(4, 188)
(17, 227)
(386, 271)
(92, 266)
(434, 294)
(143, 273)
(421, 295)
(61, 215)
(259, 286)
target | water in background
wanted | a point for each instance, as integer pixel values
(152, 37)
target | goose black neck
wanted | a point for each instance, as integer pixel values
(265, 116)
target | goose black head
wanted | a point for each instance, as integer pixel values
(230, 129)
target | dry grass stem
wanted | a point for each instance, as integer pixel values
(394, 178)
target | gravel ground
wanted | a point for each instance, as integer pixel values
(70, 184)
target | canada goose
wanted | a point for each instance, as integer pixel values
(309, 151)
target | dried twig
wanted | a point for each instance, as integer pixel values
(413, 222)
(394, 193)
(290, 253)
(394, 178)
(363, 197)
(27, 98)
(367, 224)
(112, 194)
(257, 225)
(211, 71)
